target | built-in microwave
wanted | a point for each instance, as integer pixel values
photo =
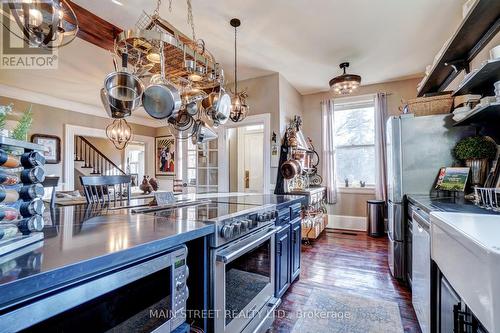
(146, 296)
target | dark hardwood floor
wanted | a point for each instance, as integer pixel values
(347, 262)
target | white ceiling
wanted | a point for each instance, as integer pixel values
(303, 40)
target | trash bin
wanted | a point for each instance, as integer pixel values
(375, 217)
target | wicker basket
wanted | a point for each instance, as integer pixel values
(426, 106)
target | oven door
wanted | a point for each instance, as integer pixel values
(139, 298)
(243, 280)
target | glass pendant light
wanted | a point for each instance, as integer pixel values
(345, 84)
(47, 24)
(239, 107)
(119, 133)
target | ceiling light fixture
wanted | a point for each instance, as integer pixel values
(47, 24)
(239, 107)
(116, 2)
(119, 133)
(345, 84)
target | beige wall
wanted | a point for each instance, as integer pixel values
(50, 120)
(290, 103)
(353, 204)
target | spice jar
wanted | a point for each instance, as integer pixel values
(30, 224)
(20, 191)
(28, 208)
(8, 231)
(27, 160)
(26, 176)
(8, 213)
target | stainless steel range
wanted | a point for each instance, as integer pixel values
(242, 262)
(243, 269)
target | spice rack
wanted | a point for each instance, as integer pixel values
(30, 222)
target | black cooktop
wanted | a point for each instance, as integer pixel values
(259, 200)
(202, 212)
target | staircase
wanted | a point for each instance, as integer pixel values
(92, 159)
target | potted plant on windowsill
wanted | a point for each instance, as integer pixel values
(476, 151)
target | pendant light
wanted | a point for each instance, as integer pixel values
(119, 133)
(346, 83)
(47, 24)
(239, 107)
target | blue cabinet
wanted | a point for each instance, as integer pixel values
(282, 260)
(295, 241)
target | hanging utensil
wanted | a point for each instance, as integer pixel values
(290, 169)
(161, 99)
(124, 90)
(219, 112)
(110, 110)
(202, 133)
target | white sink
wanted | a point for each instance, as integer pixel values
(466, 247)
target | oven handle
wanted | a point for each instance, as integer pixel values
(225, 258)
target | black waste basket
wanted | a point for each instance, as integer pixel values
(375, 217)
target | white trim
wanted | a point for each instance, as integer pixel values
(43, 99)
(347, 222)
(356, 190)
(258, 119)
(70, 131)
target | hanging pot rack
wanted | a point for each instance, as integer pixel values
(146, 37)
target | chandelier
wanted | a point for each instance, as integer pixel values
(239, 107)
(119, 132)
(41, 23)
(345, 84)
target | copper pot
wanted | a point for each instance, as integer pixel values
(291, 168)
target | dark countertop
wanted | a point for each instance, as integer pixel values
(430, 203)
(82, 240)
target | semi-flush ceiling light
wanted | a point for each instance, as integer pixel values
(48, 24)
(239, 107)
(119, 132)
(346, 83)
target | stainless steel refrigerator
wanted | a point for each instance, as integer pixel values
(417, 147)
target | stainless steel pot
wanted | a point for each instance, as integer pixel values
(291, 168)
(162, 99)
(124, 90)
(110, 110)
(202, 133)
(218, 107)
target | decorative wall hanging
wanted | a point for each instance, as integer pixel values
(165, 155)
(53, 145)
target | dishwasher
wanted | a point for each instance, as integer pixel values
(421, 270)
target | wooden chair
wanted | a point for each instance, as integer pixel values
(98, 188)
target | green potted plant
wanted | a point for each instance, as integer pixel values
(476, 151)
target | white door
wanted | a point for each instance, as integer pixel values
(251, 161)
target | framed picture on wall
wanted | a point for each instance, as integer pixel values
(165, 155)
(53, 145)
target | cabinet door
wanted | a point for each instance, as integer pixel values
(282, 260)
(295, 232)
(449, 303)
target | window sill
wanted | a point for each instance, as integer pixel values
(356, 190)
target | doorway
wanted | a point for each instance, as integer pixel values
(135, 161)
(246, 158)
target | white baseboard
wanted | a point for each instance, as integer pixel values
(347, 222)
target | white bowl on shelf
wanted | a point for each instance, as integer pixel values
(495, 53)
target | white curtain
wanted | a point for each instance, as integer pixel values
(328, 153)
(380, 150)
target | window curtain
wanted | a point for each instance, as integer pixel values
(328, 153)
(380, 149)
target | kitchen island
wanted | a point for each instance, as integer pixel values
(83, 242)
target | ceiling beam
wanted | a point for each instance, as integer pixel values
(94, 29)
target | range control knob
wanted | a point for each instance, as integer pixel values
(245, 225)
(227, 231)
(261, 217)
(274, 214)
(237, 228)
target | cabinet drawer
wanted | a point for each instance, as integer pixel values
(295, 211)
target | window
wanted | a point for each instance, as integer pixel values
(355, 143)
(202, 167)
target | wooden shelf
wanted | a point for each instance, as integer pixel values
(481, 82)
(487, 114)
(479, 26)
